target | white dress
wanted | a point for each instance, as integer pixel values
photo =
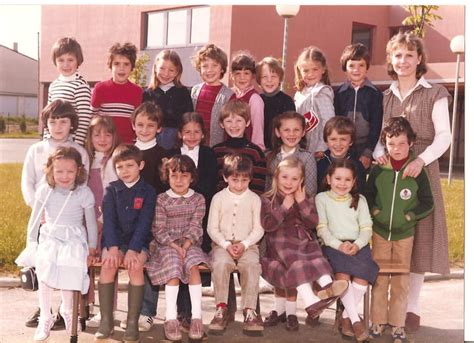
(61, 258)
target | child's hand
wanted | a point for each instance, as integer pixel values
(365, 161)
(230, 250)
(181, 252)
(382, 159)
(289, 200)
(413, 168)
(318, 155)
(353, 249)
(238, 250)
(300, 193)
(113, 258)
(131, 260)
(91, 258)
(345, 247)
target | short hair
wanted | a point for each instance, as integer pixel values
(150, 110)
(274, 66)
(67, 45)
(396, 126)
(128, 50)
(237, 164)
(126, 152)
(314, 54)
(276, 124)
(173, 57)
(179, 163)
(66, 153)
(60, 109)
(213, 52)
(101, 123)
(355, 52)
(342, 125)
(243, 60)
(235, 107)
(411, 42)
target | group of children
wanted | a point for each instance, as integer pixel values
(204, 177)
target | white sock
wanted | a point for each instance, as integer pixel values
(44, 295)
(349, 305)
(416, 282)
(171, 295)
(280, 305)
(66, 298)
(195, 292)
(359, 291)
(306, 292)
(290, 307)
(324, 280)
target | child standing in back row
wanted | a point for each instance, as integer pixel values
(118, 97)
(243, 75)
(359, 100)
(167, 91)
(269, 75)
(345, 228)
(210, 95)
(314, 98)
(70, 85)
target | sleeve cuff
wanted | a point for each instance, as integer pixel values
(246, 244)
(225, 244)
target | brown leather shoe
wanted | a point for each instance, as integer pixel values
(252, 320)
(171, 329)
(334, 289)
(317, 308)
(360, 331)
(412, 322)
(273, 319)
(292, 323)
(196, 330)
(312, 322)
(220, 320)
(346, 327)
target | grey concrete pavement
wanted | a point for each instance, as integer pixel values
(442, 319)
(14, 150)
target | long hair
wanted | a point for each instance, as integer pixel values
(99, 123)
(288, 162)
(173, 57)
(348, 164)
(314, 54)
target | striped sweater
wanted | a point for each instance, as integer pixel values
(117, 101)
(76, 90)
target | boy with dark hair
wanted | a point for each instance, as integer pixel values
(235, 228)
(210, 95)
(359, 100)
(118, 97)
(243, 74)
(128, 209)
(234, 119)
(396, 205)
(339, 134)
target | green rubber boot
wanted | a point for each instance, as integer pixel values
(106, 301)
(135, 299)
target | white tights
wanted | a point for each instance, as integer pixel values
(45, 294)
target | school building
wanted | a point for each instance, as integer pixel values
(258, 29)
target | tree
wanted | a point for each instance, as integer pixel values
(138, 75)
(420, 17)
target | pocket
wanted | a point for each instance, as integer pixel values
(362, 128)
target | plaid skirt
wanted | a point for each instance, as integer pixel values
(360, 265)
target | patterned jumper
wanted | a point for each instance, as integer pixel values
(177, 218)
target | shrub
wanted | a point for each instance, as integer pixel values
(23, 125)
(3, 125)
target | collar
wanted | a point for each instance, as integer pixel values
(167, 87)
(347, 84)
(120, 185)
(98, 158)
(72, 77)
(240, 94)
(194, 153)
(55, 143)
(236, 196)
(131, 184)
(337, 197)
(421, 82)
(272, 94)
(285, 154)
(172, 194)
(236, 142)
(145, 145)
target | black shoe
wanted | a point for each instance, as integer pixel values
(32, 320)
(58, 322)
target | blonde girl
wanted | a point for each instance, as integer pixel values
(314, 98)
(167, 91)
(293, 259)
(64, 248)
(101, 140)
(345, 228)
(289, 140)
(177, 232)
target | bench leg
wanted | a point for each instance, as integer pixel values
(232, 298)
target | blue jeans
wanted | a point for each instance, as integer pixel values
(150, 298)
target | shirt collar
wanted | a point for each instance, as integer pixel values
(236, 196)
(145, 145)
(421, 82)
(194, 153)
(174, 195)
(347, 84)
(69, 78)
(285, 154)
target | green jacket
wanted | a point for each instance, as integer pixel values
(397, 204)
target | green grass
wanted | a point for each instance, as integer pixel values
(14, 215)
(28, 134)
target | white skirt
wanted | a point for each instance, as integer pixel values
(61, 261)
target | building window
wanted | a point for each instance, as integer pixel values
(362, 33)
(177, 27)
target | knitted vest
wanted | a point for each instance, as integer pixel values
(246, 98)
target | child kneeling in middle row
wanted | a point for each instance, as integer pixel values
(293, 258)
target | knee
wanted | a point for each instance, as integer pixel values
(222, 267)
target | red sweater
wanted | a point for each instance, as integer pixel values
(205, 102)
(117, 101)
